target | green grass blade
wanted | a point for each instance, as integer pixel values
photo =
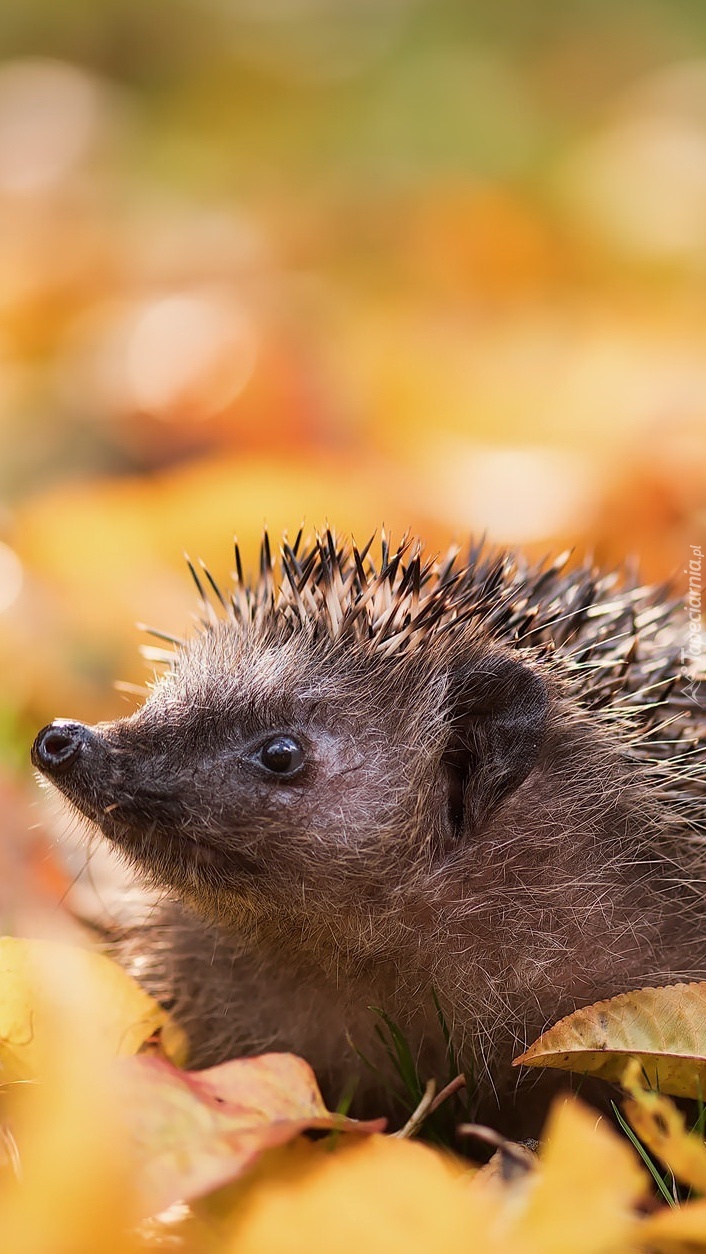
(401, 1055)
(650, 1165)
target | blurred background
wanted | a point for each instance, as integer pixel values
(429, 263)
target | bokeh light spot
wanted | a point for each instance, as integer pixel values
(193, 349)
(640, 181)
(48, 117)
(515, 494)
(11, 577)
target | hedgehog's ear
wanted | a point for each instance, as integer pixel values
(498, 718)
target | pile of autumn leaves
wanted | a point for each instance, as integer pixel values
(105, 1142)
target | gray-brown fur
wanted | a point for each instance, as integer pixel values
(502, 805)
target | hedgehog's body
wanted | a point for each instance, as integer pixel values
(480, 789)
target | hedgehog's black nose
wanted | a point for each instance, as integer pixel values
(58, 745)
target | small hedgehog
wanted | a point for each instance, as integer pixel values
(468, 793)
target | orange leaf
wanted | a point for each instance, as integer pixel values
(195, 1131)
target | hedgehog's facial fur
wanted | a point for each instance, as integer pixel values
(399, 763)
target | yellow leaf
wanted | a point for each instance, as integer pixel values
(664, 1027)
(76, 1191)
(39, 978)
(577, 1194)
(662, 1128)
(378, 1195)
(587, 1187)
(676, 1230)
(385, 1194)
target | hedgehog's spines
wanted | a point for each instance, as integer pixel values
(384, 548)
(333, 552)
(290, 563)
(291, 568)
(178, 641)
(358, 560)
(194, 575)
(238, 562)
(446, 569)
(613, 648)
(240, 596)
(161, 657)
(216, 590)
(265, 555)
(366, 549)
(307, 568)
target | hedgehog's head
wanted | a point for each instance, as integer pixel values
(287, 764)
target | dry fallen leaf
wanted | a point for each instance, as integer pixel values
(194, 1131)
(512, 1163)
(38, 978)
(664, 1027)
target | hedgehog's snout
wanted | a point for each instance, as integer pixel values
(60, 744)
(77, 760)
(68, 752)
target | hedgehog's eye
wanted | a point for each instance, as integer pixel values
(282, 755)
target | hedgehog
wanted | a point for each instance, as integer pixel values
(466, 794)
